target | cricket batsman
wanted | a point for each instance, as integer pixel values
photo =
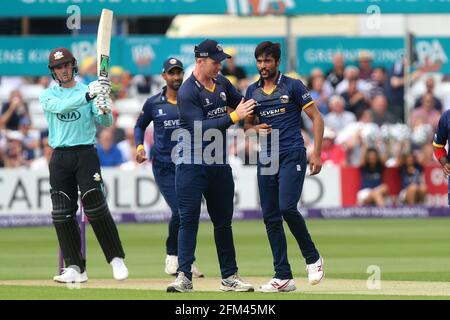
(202, 102)
(280, 101)
(72, 110)
(163, 111)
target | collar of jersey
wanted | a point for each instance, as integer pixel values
(280, 76)
(200, 86)
(165, 99)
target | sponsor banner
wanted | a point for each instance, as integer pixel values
(18, 8)
(138, 55)
(318, 52)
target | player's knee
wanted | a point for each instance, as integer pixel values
(94, 203)
(64, 208)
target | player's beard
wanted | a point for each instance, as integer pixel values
(175, 85)
(271, 74)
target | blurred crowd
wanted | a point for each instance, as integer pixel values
(362, 104)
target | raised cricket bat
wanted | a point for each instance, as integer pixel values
(104, 43)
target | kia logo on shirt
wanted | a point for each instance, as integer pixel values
(69, 117)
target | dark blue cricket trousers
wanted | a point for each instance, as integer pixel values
(279, 195)
(216, 184)
(164, 173)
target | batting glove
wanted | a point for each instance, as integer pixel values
(97, 88)
(103, 104)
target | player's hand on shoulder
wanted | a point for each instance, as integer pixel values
(245, 108)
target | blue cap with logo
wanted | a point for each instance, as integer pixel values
(211, 49)
(172, 63)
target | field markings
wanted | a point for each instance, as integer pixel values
(327, 286)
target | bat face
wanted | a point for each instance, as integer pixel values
(104, 43)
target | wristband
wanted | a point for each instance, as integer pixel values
(234, 117)
(139, 148)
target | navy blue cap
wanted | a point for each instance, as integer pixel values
(172, 63)
(211, 49)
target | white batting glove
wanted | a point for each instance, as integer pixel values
(97, 88)
(103, 104)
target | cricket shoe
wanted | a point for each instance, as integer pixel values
(196, 273)
(181, 284)
(315, 272)
(171, 265)
(278, 285)
(71, 274)
(120, 271)
(236, 283)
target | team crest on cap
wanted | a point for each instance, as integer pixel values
(284, 99)
(172, 61)
(58, 55)
(219, 47)
(223, 96)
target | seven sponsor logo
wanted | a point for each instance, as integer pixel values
(217, 112)
(272, 112)
(172, 123)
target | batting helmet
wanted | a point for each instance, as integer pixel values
(59, 56)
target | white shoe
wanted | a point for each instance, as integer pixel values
(236, 283)
(278, 285)
(181, 284)
(196, 273)
(120, 271)
(71, 274)
(315, 272)
(171, 265)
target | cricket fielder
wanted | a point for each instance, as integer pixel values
(280, 101)
(441, 137)
(163, 111)
(202, 102)
(72, 109)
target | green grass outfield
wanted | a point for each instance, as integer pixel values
(412, 254)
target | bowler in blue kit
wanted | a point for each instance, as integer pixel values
(202, 101)
(441, 137)
(279, 103)
(163, 111)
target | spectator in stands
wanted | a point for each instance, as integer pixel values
(413, 188)
(378, 82)
(355, 100)
(119, 82)
(30, 138)
(336, 75)
(426, 113)
(42, 163)
(352, 73)
(235, 73)
(379, 111)
(320, 90)
(126, 146)
(14, 154)
(88, 69)
(107, 150)
(429, 84)
(13, 110)
(337, 118)
(332, 154)
(372, 191)
(365, 65)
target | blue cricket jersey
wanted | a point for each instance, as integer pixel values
(164, 115)
(281, 109)
(71, 119)
(442, 134)
(207, 108)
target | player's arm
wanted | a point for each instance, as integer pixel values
(103, 119)
(53, 104)
(190, 112)
(439, 142)
(250, 120)
(142, 122)
(307, 104)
